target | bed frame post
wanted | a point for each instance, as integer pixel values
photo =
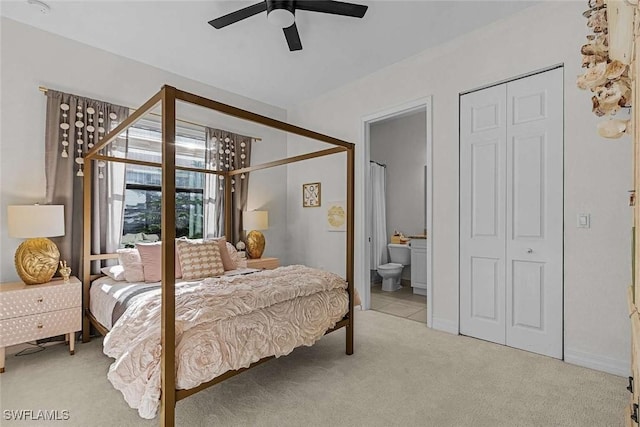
(350, 244)
(228, 208)
(168, 96)
(86, 243)
(168, 223)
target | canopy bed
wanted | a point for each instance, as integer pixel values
(266, 293)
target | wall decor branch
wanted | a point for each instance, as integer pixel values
(607, 70)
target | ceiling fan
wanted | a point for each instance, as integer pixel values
(282, 14)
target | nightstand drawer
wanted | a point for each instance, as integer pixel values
(29, 328)
(35, 299)
(263, 263)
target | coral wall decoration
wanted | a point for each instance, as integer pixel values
(607, 79)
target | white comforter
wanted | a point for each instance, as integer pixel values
(222, 324)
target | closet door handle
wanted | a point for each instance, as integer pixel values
(529, 251)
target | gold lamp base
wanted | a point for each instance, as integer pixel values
(37, 260)
(255, 244)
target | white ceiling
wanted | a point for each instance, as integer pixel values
(251, 57)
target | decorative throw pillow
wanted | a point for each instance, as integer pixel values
(233, 255)
(228, 260)
(151, 255)
(132, 263)
(225, 253)
(116, 272)
(199, 259)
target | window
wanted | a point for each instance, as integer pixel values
(142, 212)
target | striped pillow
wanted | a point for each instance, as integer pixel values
(199, 259)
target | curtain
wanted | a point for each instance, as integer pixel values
(377, 207)
(212, 227)
(73, 125)
(225, 151)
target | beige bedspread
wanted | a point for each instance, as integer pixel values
(222, 324)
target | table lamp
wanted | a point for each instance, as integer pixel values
(37, 257)
(254, 221)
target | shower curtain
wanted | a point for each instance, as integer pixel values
(378, 212)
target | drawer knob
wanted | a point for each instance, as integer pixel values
(40, 299)
(39, 325)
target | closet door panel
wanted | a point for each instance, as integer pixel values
(534, 243)
(482, 214)
(528, 183)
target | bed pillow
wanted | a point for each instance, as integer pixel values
(199, 259)
(132, 263)
(116, 272)
(233, 255)
(151, 256)
(227, 260)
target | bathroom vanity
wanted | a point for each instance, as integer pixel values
(419, 266)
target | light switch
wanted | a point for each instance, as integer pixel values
(584, 220)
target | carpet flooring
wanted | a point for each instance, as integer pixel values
(402, 374)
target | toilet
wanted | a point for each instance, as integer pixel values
(391, 273)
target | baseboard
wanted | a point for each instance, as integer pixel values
(597, 362)
(445, 325)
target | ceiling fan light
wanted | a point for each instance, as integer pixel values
(282, 18)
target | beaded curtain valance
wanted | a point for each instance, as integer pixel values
(82, 123)
(230, 152)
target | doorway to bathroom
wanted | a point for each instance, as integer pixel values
(397, 203)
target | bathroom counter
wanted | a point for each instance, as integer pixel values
(419, 266)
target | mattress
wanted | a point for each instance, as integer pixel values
(221, 324)
(109, 298)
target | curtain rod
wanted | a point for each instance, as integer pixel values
(379, 164)
(44, 90)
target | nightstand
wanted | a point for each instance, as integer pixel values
(263, 263)
(33, 312)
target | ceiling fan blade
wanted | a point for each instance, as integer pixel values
(333, 7)
(293, 38)
(238, 15)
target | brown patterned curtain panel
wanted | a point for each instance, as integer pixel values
(225, 151)
(74, 125)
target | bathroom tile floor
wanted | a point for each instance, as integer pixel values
(401, 303)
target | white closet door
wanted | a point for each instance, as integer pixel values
(534, 255)
(511, 213)
(482, 213)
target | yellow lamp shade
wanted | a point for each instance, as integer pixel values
(27, 221)
(255, 220)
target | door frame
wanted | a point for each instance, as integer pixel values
(508, 80)
(363, 263)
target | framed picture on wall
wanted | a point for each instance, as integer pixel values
(337, 216)
(311, 195)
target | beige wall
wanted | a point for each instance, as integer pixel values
(400, 144)
(31, 57)
(597, 171)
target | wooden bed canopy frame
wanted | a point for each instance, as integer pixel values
(167, 97)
